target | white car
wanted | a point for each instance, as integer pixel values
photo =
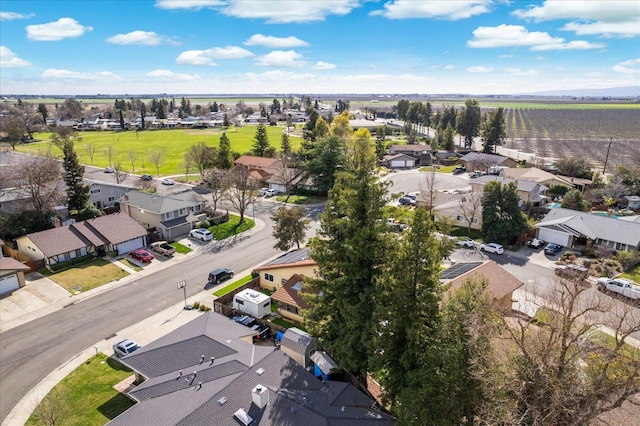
(268, 192)
(467, 242)
(109, 170)
(125, 347)
(168, 181)
(201, 234)
(492, 248)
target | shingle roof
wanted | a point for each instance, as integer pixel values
(59, 240)
(292, 258)
(522, 184)
(117, 228)
(158, 204)
(297, 340)
(484, 158)
(501, 282)
(10, 264)
(255, 162)
(290, 292)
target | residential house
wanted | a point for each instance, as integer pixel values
(580, 184)
(481, 161)
(172, 216)
(275, 273)
(398, 161)
(289, 298)
(529, 191)
(568, 227)
(252, 162)
(631, 202)
(537, 175)
(284, 179)
(11, 274)
(105, 194)
(501, 284)
(208, 372)
(459, 209)
(421, 152)
(111, 233)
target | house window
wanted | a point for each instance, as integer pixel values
(95, 191)
(268, 277)
(240, 302)
(196, 208)
(459, 218)
(168, 215)
(111, 199)
(283, 281)
(183, 212)
(475, 220)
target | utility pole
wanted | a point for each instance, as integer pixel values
(606, 159)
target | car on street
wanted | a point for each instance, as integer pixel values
(535, 243)
(459, 170)
(167, 181)
(467, 242)
(219, 275)
(164, 248)
(406, 201)
(125, 347)
(201, 234)
(146, 177)
(552, 249)
(109, 170)
(492, 248)
(271, 193)
(142, 255)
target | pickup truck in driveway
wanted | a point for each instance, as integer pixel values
(164, 248)
(620, 286)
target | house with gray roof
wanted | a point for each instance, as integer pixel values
(482, 161)
(208, 372)
(529, 191)
(568, 227)
(105, 194)
(172, 216)
(112, 233)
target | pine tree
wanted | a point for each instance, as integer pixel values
(285, 145)
(502, 219)
(493, 130)
(260, 141)
(77, 191)
(225, 156)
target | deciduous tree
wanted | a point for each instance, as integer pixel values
(156, 157)
(203, 157)
(215, 180)
(574, 200)
(290, 227)
(242, 190)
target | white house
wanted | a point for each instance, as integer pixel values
(253, 303)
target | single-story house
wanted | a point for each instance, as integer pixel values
(481, 161)
(501, 284)
(11, 274)
(460, 210)
(421, 152)
(275, 273)
(580, 184)
(528, 191)
(172, 216)
(253, 162)
(289, 298)
(398, 161)
(537, 175)
(568, 227)
(208, 372)
(284, 179)
(111, 233)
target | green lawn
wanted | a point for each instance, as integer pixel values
(86, 396)
(231, 227)
(88, 275)
(174, 143)
(180, 248)
(300, 199)
(457, 231)
(286, 324)
(633, 274)
(130, 264)
(229, 288)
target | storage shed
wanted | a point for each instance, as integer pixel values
(299, 345)
(253, 303)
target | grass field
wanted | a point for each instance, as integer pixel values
(89, 275)
(174, 143)
(228, 288)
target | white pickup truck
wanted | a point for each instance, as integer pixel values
(621, 286)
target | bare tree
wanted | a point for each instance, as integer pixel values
(146, 185)
(201, 156)
(53, 409)
(186, 165)
(216, 181)
(109, 152)
(428, 189)
(91, 151)
(284, 173)
(133, 157)
(39, 179)
(119, 175)
(242, 189)
(569, 366)
(471, 207)
(156, 157)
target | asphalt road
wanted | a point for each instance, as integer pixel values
(31, 351)
(413, 180)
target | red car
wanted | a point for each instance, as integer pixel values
(141, 255)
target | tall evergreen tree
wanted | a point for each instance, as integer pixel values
(326, 158)
(285, 144)
(44, 112)
(225, 156)
(448, 142)
(502, 219)
(349, 252)
(77, 191)
(161, 114)
(468, 121)
(260, 141)
(121, 120)
(493, 130)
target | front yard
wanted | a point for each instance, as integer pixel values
(633, 274)
(86, 276)
(231, 227)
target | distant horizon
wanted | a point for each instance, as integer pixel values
(471, 47)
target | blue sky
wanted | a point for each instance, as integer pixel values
(306, 46)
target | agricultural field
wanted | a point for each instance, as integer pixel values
(173, 143)
(574, 132)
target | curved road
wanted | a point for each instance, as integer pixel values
(411, 180)
(31, 351)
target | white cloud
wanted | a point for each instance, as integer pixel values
(170, 75)
(58, 30)
(479, 69)
(8, 59)
(143, 38)
(205, 57)
(449, 67)
(10, 16)
(505, 56)
(275, 42)
(281, 58)
(54, 73)
(188, 4)
(631, 66)
(288, 11)
(320, 65)
(610, 18)
(450, 10)
(517, 35)
(520, 71)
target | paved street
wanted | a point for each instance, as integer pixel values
(413, 180)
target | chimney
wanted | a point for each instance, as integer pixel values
(260, 396)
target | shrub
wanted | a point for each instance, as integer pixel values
(627, 258)
(196, 305)
(589, 252)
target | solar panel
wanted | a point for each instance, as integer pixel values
(458, 269)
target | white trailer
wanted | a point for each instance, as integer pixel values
(253, 303)
(620, 286)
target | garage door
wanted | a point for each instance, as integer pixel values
(130, 245)
(553, 236)
(9, 283)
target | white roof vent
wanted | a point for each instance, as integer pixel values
(222, 400)
(259, 371)
(244, 418)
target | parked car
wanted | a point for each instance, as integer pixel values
(201, 234)
(406, 201)
(492, 248)
(109, 170)
(168, 181)
(620, 286)
(459, 170)
(535, 243)
(125, 347)
(164, 248)
(467, 242)
(142, 255)
(271, 192)
(146, 177)
(219, 275)
(263, 332)
(552, 249)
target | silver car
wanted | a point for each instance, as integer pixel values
(125, 347)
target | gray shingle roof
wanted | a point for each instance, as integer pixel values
(522, 184)
(484, 158)
(117, 228)
(297, 340)
(158, 204)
